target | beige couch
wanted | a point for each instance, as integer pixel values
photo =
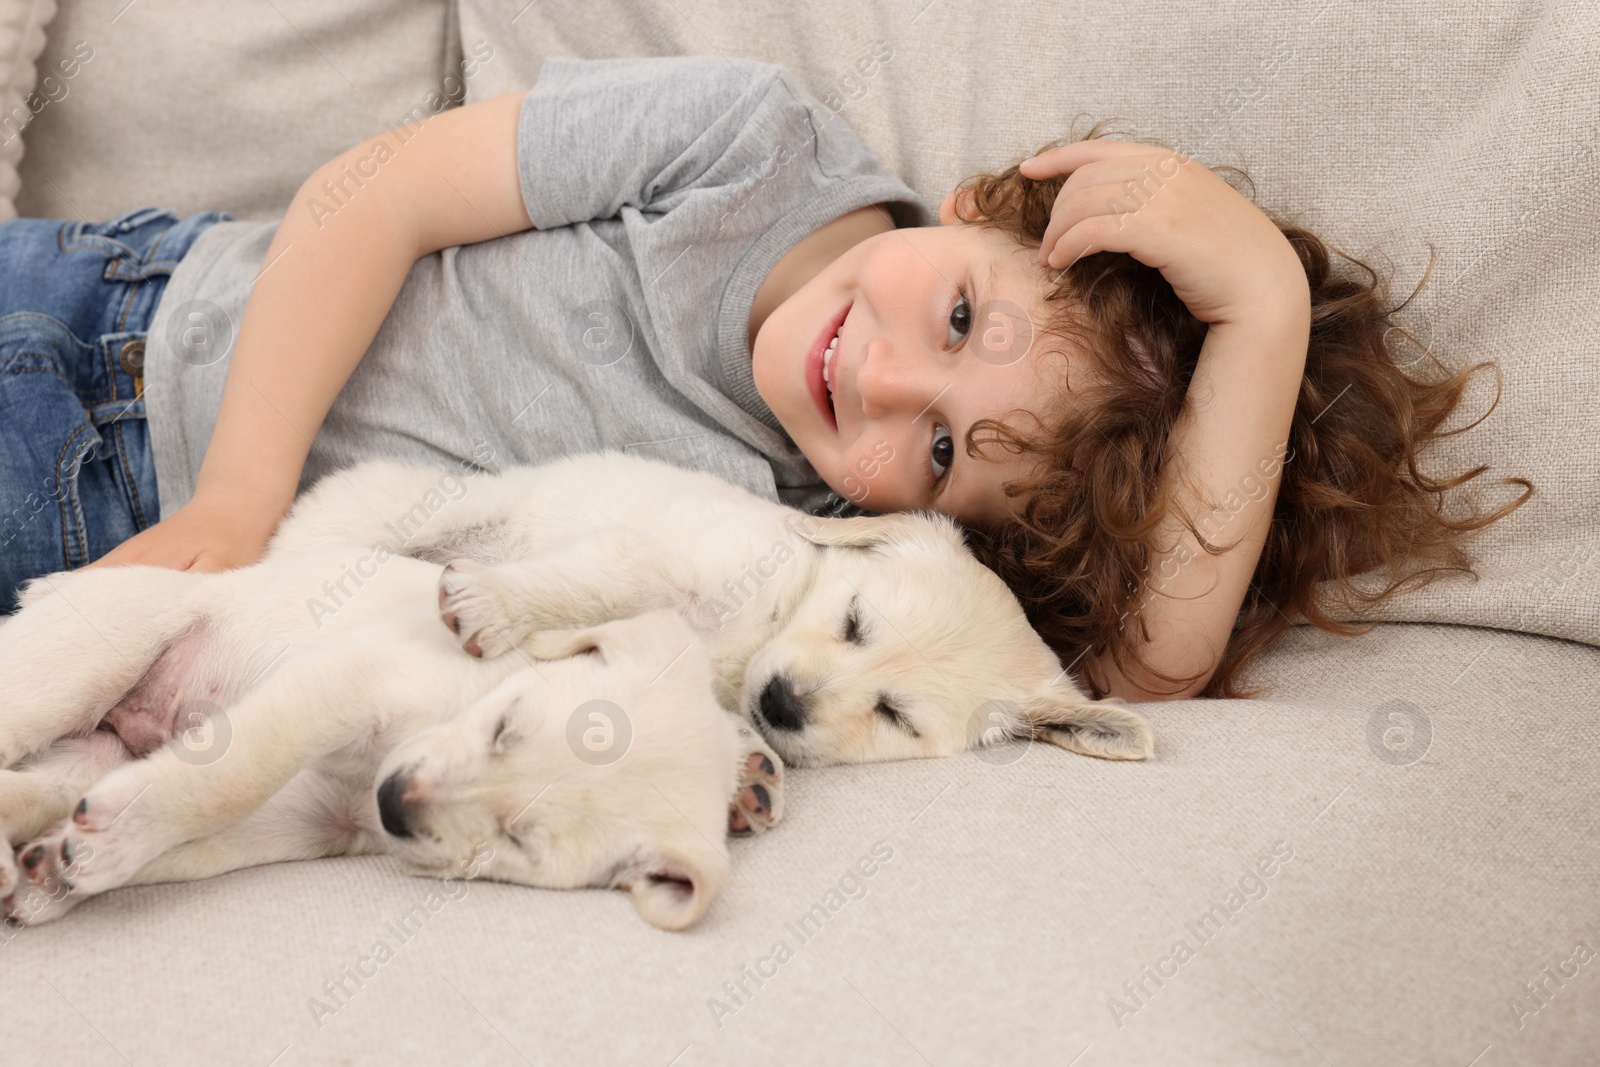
(1391, 858)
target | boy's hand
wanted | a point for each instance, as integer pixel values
(212, 532)
(1222, 256)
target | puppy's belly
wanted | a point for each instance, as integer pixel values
(199, 674)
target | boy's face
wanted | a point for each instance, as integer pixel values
(915, 365)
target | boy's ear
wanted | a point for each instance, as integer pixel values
(947, 214)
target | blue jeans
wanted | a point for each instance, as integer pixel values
(76, 299)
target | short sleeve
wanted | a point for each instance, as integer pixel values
(596, 135)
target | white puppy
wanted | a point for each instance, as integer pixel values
(843, 640)
(594, 756)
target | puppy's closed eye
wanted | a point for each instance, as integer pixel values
(523, 833)
(852, 623)
(886, 709)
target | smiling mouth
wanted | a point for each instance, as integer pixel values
(828, 386)
(827, 379)
(820, 369)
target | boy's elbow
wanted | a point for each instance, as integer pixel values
(1130, 693)
(1122, 687)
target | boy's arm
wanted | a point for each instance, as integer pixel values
(329, 280)
(1232, 437)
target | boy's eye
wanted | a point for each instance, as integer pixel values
(942, 451)
(961, 313)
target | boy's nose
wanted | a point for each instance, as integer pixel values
(891, 383)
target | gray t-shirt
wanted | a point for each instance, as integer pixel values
(662, 192)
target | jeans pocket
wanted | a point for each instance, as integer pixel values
(46, 438)
(62, 503)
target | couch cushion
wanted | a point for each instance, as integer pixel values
(227, 109)
(23, 91)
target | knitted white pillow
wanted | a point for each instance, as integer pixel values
(22, 24)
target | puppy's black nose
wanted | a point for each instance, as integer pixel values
(780, 707)
(391, 810)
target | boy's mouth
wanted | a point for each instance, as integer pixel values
(819, 388)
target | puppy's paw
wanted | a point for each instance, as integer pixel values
(470, 604)
(48, 865)
(104, 843)
(757, 803)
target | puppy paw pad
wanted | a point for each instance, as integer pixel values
(470, 606)
(757, 803)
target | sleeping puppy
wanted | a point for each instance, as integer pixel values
(592, 756)
(842, 640)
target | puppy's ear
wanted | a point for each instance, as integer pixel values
(559, 644)
(672, 885)
(860, 531)
(1108, 729)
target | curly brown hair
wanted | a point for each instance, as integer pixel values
(1351, 500)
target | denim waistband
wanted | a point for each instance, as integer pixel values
(159, 248)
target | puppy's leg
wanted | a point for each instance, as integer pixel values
(339, 694)
(757, 803)
(615, 574)
(309, 818)
(81, 640)
(44, 791)
(314, 816)
(408, 507)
